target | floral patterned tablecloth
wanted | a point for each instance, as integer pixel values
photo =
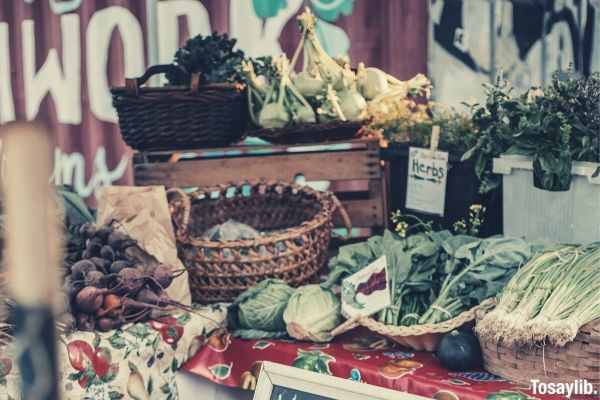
(360, 356)
(138, 361)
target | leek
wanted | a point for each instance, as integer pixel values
(549, 299)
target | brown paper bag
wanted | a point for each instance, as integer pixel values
(143, 213)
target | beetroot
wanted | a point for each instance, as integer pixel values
(81, 268)
(101, 264)
(71, 288)
(115, 239)
(95, 279)
(163, 276)
(103, 233)
(93, 247)
(89, 299)
(85, 322)
(131, 280)
(107, 253)
(108, 324)
(118, 266)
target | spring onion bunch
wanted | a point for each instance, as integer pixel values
(549, 299)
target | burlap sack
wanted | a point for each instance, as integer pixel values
(143, 213)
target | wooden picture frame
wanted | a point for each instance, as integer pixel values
(299, 384)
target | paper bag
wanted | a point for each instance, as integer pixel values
(143, 213)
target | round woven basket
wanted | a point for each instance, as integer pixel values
(298, 219)
(578, 360)
(423, 337)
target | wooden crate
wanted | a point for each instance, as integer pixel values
(354, 170)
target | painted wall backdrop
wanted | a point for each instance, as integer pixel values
(473, 40)
(59, 58)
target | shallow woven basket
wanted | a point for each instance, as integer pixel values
(310, 133)
(423, 337)
(299, 217)
(180, 117)
(579, 359)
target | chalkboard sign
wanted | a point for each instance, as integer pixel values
(282, 382)
(283, 393)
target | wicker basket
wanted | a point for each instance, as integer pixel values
(180, 117)
(310, 133)
(300, 219)
(579, 359)
(423, 337)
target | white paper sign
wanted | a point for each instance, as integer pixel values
(426, 183)
(367, 291)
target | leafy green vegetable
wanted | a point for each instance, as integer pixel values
(212, 56)
(76, 211)
(477, 270)
(434, 276)
(258, 312)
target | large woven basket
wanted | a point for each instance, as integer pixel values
(298, 217)
(423, 337)
(180, 117)
(310, 133)
(579, 359)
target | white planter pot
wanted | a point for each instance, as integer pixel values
(567, 217)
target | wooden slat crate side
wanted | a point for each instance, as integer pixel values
(353, 145)
(343, 165)
(363, 213)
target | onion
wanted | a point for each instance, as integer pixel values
(273, 115)
(372, 82)
(353, 105)
(309, 84)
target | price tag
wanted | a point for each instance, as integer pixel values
(426, 183)
(367, 291)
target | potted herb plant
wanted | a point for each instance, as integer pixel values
(550, 138)
(407, 122)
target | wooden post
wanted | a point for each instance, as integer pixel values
(32, 248)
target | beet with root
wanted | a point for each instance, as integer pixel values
(95, 279)
(85, 322)
(89, 299)
(120, 265)
(116, 239)
(81, 268)
(103, 233)
(101, 264)
(107, 253)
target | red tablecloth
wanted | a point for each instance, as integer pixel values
(358, 355)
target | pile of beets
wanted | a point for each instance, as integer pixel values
(105, 284)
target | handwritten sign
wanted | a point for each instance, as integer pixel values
(426, 183)
(367, 291)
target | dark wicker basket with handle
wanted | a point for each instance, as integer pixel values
(297, 219)
(310, 133)
(180, 117)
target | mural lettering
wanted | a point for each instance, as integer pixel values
(69, 169)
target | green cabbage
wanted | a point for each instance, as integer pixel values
(312, 313)
(258, 312)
